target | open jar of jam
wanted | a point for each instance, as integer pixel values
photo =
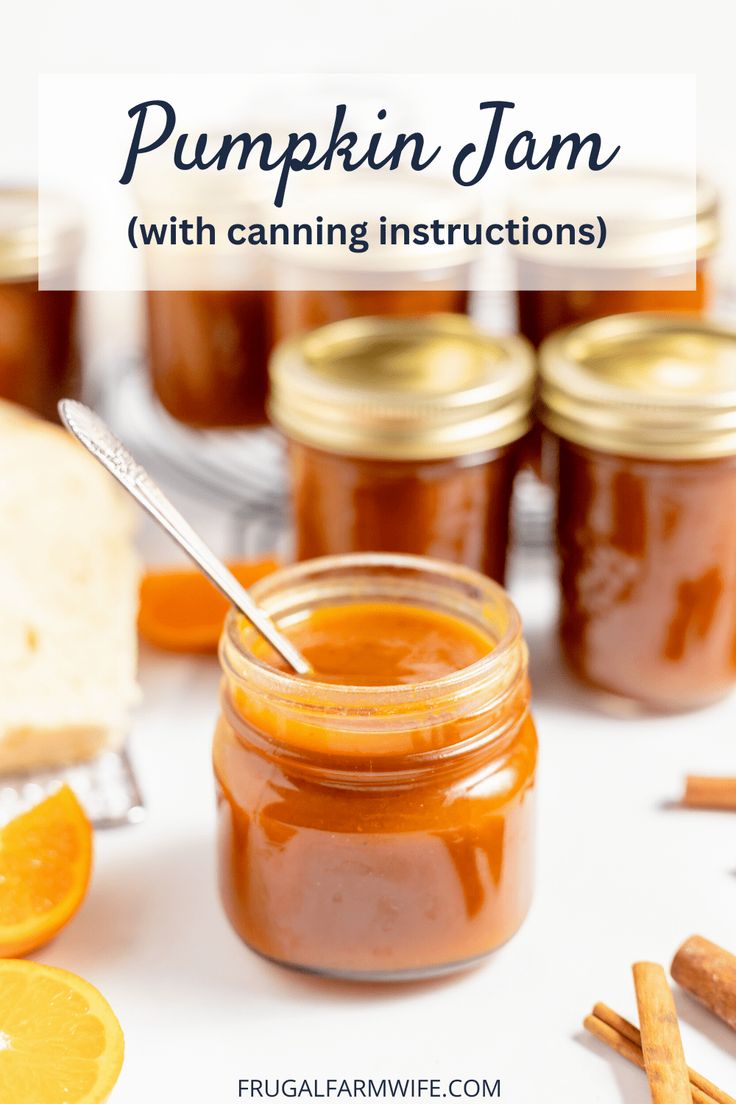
(39, 349)
(658, 224)
(643, 410)
(404, 436)
(376, 816)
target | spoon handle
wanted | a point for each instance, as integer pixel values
(97, 437)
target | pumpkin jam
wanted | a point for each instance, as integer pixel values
(384, 644)
(455, 509)
(404, 436)
(641, 410)
(375, 818)
(648, 575)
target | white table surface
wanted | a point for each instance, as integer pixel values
(620, 877)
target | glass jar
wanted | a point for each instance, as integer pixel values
(543, 311)
(643, 409)
(317, 286)
(208, 355)
(404, 436)
(208, 315)
(647, 256)
(298, 311)
(376, 832)
(39, 348)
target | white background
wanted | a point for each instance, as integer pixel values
(620, 877)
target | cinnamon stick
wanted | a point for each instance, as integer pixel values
(708, 972)
(703, 792)
(661, 1044)
(703, 1090)
(618, 1042)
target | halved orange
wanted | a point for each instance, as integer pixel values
(181, 611)
(59, 1038)
(45, 865)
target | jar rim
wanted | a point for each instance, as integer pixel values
(657, 217)
(420, 388)
(28, 244)
(239, 661)
(644, 384)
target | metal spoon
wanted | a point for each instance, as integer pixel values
(96, 436)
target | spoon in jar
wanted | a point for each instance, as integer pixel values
(97, 438)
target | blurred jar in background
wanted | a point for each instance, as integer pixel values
(317, 285)
(39, 347)
(436, 290)
(643, 410)
(208, 355)
(208, 322)
(404, 436)
(209, 348)
(649, 248)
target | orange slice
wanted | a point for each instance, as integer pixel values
(59, 1038)
(180, 611)
(45, 864)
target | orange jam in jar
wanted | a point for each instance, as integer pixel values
(39, 346)
(296, 312)
(376, 817)
(314, 287)
(208, 355)
(658, 224)
(404, 436)
(543, 311)
(643, 408)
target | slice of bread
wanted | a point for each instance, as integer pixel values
(68, 599)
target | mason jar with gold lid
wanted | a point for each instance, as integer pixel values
(403, 436)
(39, 354)
(643, 410)
(659, 223)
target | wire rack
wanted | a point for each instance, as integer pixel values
(106, 787)
(234, 481)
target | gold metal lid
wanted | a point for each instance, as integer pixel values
(23, 249)
(650, 385)
(655, 218)
(409, 389)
